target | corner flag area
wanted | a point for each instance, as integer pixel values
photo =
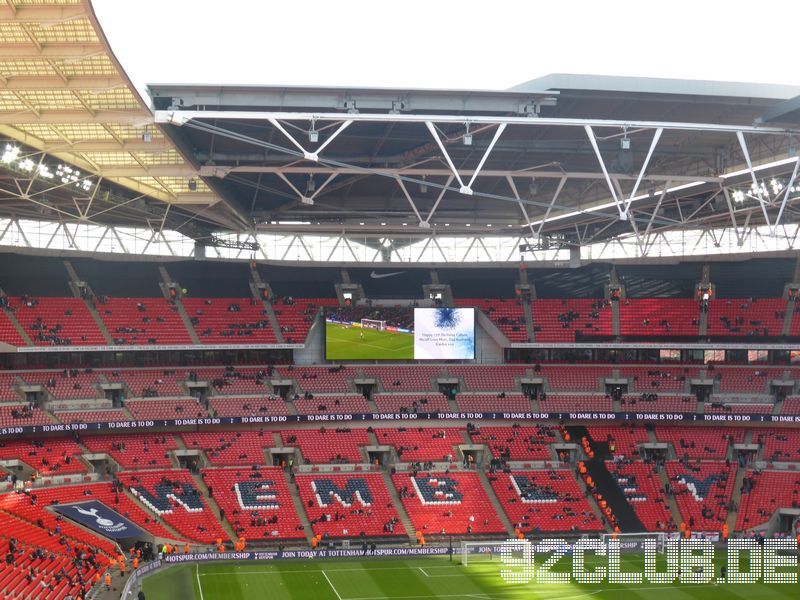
(357, 343)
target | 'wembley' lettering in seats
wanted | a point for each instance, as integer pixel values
(159, 502)
(257, 495)
(354, 489)
(437, 490)
(531, 493)
(698, 487)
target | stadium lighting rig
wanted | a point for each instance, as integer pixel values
(66, 174)
(548, 242)
(766, 190)
(233, 244)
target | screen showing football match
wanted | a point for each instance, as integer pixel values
(386, 333)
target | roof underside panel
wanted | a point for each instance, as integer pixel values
(65, 99)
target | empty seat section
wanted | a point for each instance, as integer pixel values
(230, 320)
(738, 379)
(517, 443)
(20, 415)
(780, 445)
(328, 446)
(510, 402)
(763, 493)
(579, 378)
(319, 379)
(171, 408)
(497, 378)
(566, 320)
(230, 448)
(114, 415)
(234, 380)
(576, 403)
(654, 402)
(8, 384)
(132, 451)
(746, 317)
(346, 505)
(447, 504)
(703, 492)
(141, 321)
(659, 317)
(53, 456)
(658, 379)
(67, 385)
(791, 406)
(57, 322)
(421, 444)
(332, 403)
(741, 407)
(295, 317)
(623, 441)
(404, 379)
(145, 383)
(257, 503)
(248, 406)
(544, 501)
(9, 333)
(174, 497)
(507, 315)
(706, 443)
(409, 403)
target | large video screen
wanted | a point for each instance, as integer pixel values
(400, 334)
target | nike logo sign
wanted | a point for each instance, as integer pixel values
(374, 275)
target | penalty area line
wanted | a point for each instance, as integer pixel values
(325, 575)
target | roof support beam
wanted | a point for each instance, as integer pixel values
(786, 195)
(623, 215)
(756, 187)
(313, 156)
(439, 199)
(70, 51)
(133, 145)
(422, 222)
(41, 14)
(432, 128)
(61, 117)
(212, 171)
(653, 145)
(56, 83)
(181, 117)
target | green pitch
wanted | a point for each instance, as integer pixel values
(346, 343)
(418, 579)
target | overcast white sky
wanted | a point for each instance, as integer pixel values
(488, 44)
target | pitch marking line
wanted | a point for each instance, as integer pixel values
(199, 585)
(307, 571)
(424, 572)
(325, 575)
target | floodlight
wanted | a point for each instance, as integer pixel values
(11, 154)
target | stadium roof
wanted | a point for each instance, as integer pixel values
(562, 160)
(561, 154)
(64, 99)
